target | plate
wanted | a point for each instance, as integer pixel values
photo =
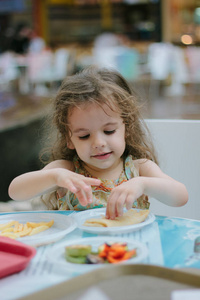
(98, 212)
(62, 226)
(14, 256)
(57, 253)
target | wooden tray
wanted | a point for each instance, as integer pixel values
(125, 282)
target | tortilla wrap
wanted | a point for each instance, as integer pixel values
(130, 217)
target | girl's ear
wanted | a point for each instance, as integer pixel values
(70, 145)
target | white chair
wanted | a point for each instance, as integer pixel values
(40, 66)
(164, 61)
(178, 146)
(193, 61)
(160, 60)
(48, 68)
(8, 70)
(123, 59)
(60, 65)
(159, 65)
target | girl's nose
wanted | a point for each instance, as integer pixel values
(98, 142)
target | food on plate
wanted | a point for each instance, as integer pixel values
(130, 217)
(116, 252)
(106, 253)
(77, 253)
(76, 259)
(6, 225)
(78, 250)
(94, 259)
(14, 229)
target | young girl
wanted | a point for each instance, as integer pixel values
(102, 155)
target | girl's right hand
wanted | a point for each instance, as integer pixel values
(77, 184)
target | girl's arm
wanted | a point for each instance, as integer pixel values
(56, 174)
(152, 182)
(162, 187)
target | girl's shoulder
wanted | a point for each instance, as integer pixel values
(61, 163)
(136, 165)
(147, 167)
(138, 162)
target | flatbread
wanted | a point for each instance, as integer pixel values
(130, 217)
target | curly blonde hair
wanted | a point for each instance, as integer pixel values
(99, 86)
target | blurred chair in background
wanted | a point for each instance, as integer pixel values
(47, 69)
(112, 50)
(193, 59)
(160, 60)
(37, 44)
(179, 74)
(159, 65)
(107, 39)
(40, 66)
(8, 71)
(128, 63)
(125, 60)
(61, 64)
(178, 66)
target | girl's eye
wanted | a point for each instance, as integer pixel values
(85, 137)
(109, 131)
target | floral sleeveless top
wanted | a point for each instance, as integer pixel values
(66, 200)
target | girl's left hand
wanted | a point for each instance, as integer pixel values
(124, 194)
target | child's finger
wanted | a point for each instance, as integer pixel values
(109, 214)
(81, 197)
(92, 181)
(86, 187)
(111, 208)
(120, 205)
(88, 193)
(129, 202)
(70, 186)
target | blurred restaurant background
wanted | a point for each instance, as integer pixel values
(154, 44)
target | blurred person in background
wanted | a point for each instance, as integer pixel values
(21, 38)
(109, 38)
(37, 44)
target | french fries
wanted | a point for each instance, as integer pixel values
(7, 225)
(14, 229)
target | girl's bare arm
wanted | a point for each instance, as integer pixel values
(152, 182)
(161, 186)
(56, 174)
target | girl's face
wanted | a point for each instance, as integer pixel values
(98, 135)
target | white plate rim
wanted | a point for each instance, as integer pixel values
(57, 250)
(82, 216)
(46, 238)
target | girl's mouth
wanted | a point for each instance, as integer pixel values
(102, 155)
